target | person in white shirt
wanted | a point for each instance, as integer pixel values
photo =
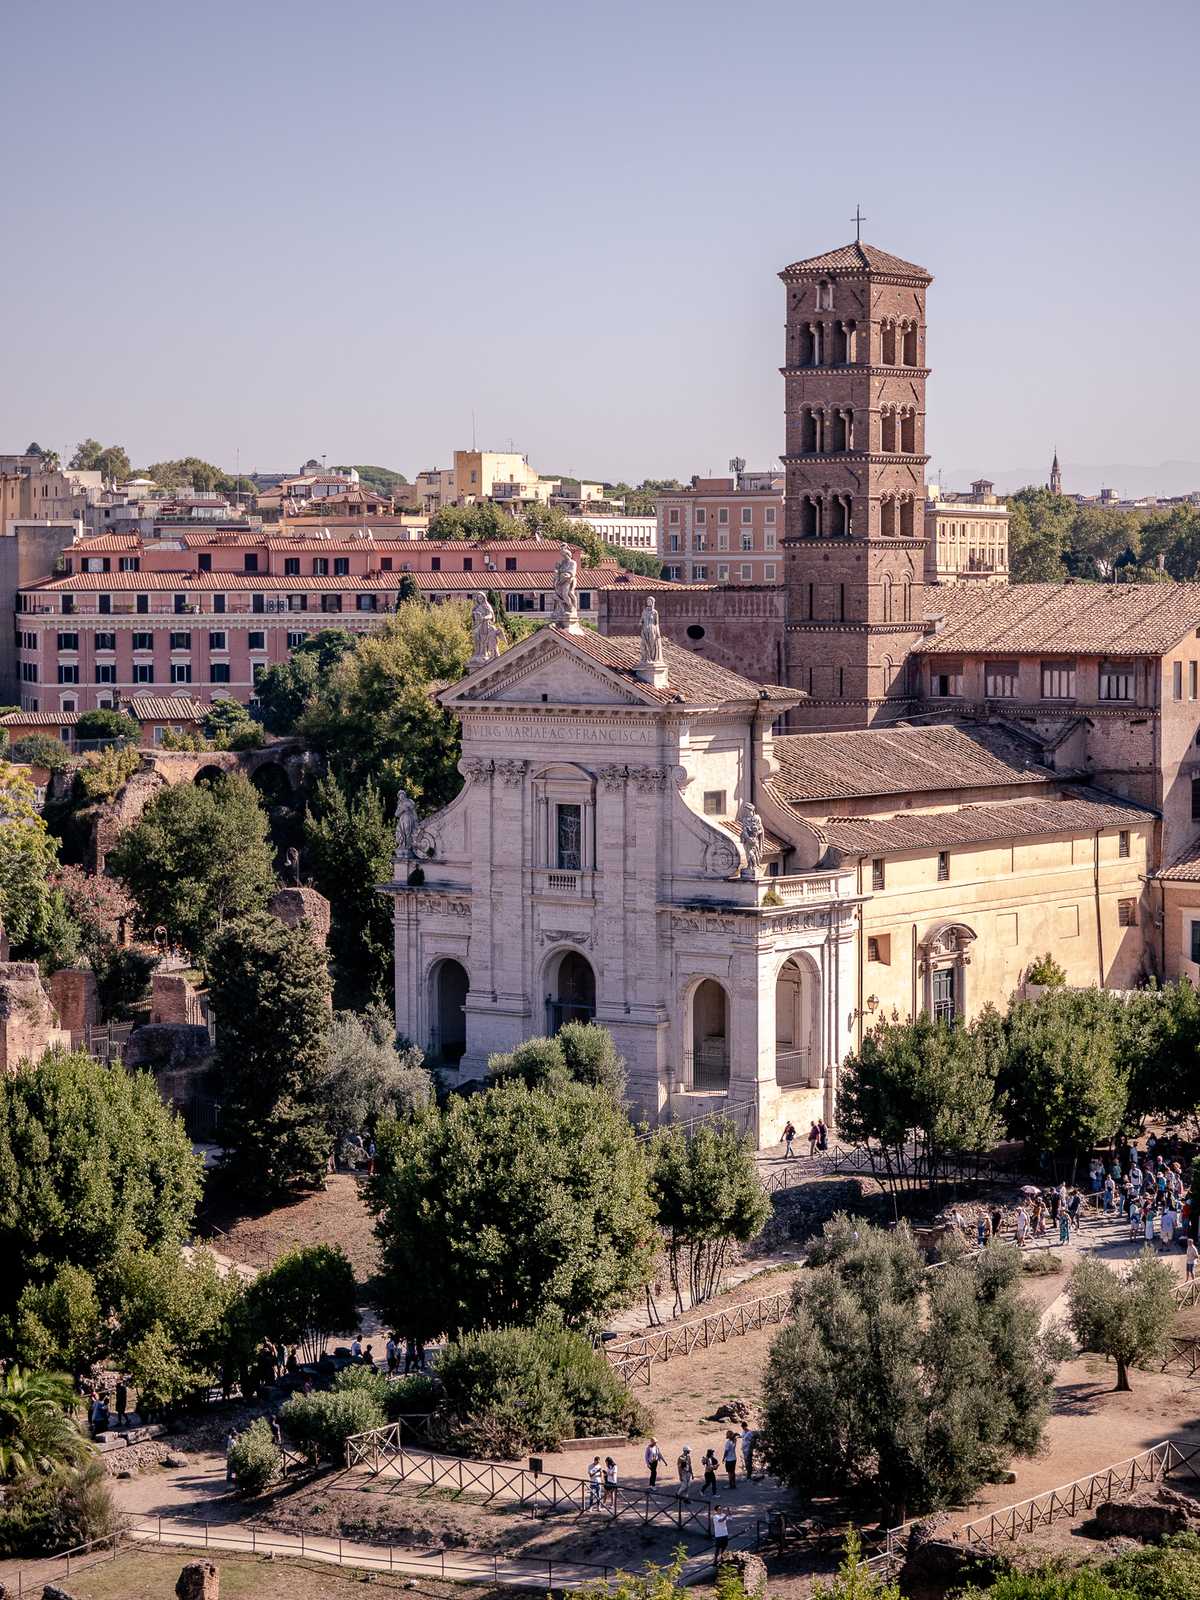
(653, 1456)
(595, 1478)
(720, 1528)
(1190, 1259)
(356, 1348)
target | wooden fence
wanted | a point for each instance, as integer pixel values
(380, 1450)
(646, 1349)
(1161, 1461)
(1187, 1293)
(1183, 1355)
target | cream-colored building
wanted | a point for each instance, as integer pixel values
(497, 475)
(966, 535)
(594, 865)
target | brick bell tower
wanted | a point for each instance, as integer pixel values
(854, 546)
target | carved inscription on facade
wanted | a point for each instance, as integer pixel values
(558, 730)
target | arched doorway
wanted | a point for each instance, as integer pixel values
(448, 985)
(797, 1032)
(572, 996)
(709, 1053)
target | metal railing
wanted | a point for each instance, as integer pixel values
(718, 1327)
(379, 1450)
(706, 1068)
(742, 1114)
(1068, 1500)
(792, 1069)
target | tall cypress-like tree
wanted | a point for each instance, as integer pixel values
(270, 995)
(350, 848)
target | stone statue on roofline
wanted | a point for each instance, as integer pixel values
(566, 592)
(754, 839)
(407, 824)
(652, 650)
(485, 633)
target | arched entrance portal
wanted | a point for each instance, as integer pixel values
(797, 1030)
(448, 984)
(572, 996)
(709, 1054)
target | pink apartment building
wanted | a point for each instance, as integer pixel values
(723, 530)
(203, 614)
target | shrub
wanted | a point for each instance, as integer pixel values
(520, 1388)
(67, 1508)
(1046, 971)
(40, 750)
(107, 724)
(255, 1458)
(412, 1396)
(320, 1424)
(250, 737)
(104, 772)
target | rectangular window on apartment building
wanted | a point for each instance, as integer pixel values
(90, 564)
(291, 567)
(585, 600)
(68, 605)
(747, 516)
(1177, 680)
(258, 602)
(218, 602)
(366, 602)
(714, 802)
(768, 541)
(722, 574)
(1058, 680)
(181, 641)
(385, 564)
(747, 571)
(250, 562)
(69, 674)
(700, 573)
(104, 604)
(216, 641)
(204, 563)
(673, 543)
(341, 567)
(510, 564)
(769, 516)
(946, 682)
(673, 516)
(769, 572)
(468, 563)
(106, 641)
(129, 564)
(106, 672)
(29, 672)
(943, 866)
(219, 672)
(1116, 683)
(671, 574)
(68, 641)
(143, 672)
(435, 563)
(295, 640)
(722, 542)
(1000, 680)
(181, 672)
(723, 514)
(143, 641)
(331, 602)
(180, 604)
(1127, 913)
(1123, 843)
(256, 640)
(142, 604)
(878, 874)
(1191, 680)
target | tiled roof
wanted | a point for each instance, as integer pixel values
(105, 541)
(690, 677)
(1084, 811)
(841, 766)
(146, 708)
(181, 580)
(1097, 619)
(1185, 868)
(858, 257)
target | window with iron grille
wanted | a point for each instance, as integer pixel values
(878, 874)
(1127, 913)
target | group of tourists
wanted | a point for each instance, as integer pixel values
(101, 1415)
(818, 1138)
(414, 1355)
(603, 1476)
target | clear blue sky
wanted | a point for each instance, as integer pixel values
(311, 229)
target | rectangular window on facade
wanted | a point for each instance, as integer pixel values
(143, 641)
(1177, 680)
(204, 563)
(1058, 680)
(1000, 680)
(468, 563)
(216, 641)
(1123, 843)
(219, 672)
(68, 604)
(1127, 913)
(142, 603)
(673, 543)
(701, 516)
(510, 564)
(106, 672)
(747, 571)
(256, 640)
(104, 604)
(943, 866)
(747, 515)
(673, 516)
(769, 541)
(879, 948)
(1196, 799)
(747, 541)
(946, 682)
(1191, 680)
(1196, 941)
(295, 640)
(1116, 683)
(106, 641)
(723, 514)
(714, 802)
(291, 566)
(769, 516)
(878, 874)
(180, 604)
(945, 996)
(181, 672)
(321, 566)
(129, 564)
(769, 572)
(700, 573)
(250, 562)
(218, 602)
(258, 602)
(568, 838)
(143, 672)
(68, 674)
(435, 564)
(68, 641)
(181, 641)
(341, 567)
(366, 602)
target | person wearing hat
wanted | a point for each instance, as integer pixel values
(685, 1471)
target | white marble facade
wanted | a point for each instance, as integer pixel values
(593, 866)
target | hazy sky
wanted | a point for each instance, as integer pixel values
(301, 229)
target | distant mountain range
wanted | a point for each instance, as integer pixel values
(1131, 482)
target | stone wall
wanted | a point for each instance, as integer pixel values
(28, 1021)
(740, 628)
(298, 904)
(73, 994)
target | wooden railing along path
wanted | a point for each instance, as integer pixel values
(379, 1450)
(634, 1357)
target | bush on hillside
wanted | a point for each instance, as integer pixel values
(255, 1458)
(320, 1424)
(41, 1515)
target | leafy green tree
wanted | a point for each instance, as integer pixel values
(269, 988)
(38, 1431)
(1162, 1038)
(369, 1078)
(102, 773)
(1046, 971)
(583, 1052)
(1064, 1078)
(171, 1321)
(27, 857)
(320, 1424)
(197, 859)
(708, 1197)
(1175, 536)
(1039, 525)
(349, 843)
(917, 1094)
(61, 1322)
(305, 1297)
(223, 718)
(87, 453)
(92, 1163)
(377, 721)
(286, 691)
(510, 1205)
(108, 724)
(1126, 1315)
(383, 480)
(40, 750)
(479, 522)
(189, 473)
(854, 1579)
(917, 1386)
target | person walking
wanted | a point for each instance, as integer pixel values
(720, 1528)
(610, 1482)
(653, 1456)
(749, 1440)
(709, 1463)
(1064, 1225)
(1190, 1260)
(814, 1138)
(789, 1138)
(231, 1438)
(997, 1221)
(1021, 1225)
(983, 1228)
(685, 1472)
(730, 1457)
(595, 1474)
(822, 1135)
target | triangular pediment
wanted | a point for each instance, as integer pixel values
(545, 667)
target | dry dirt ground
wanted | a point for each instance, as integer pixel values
(333, 1215)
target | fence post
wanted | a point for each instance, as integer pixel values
(339, 1549)
(549, 1574)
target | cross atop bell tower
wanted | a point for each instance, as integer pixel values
(854, 381)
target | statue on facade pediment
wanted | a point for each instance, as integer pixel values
(566, 591)
(754, 839)
(407, 823)
(652, 650)
(485, 633)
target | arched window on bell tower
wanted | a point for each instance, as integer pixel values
(824, 295)
(910, 344)
(887, 344)
(887, 430)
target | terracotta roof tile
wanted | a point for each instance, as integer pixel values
(858, 257)
(840, 766)
(690, 677)
(1083, 811)
(1109, 619)
(1185, 868)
